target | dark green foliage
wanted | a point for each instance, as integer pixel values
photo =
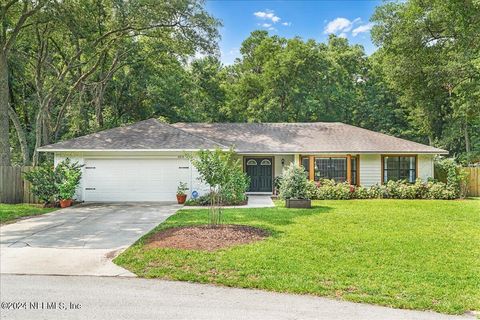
(43, 182)
(421, 84)
(50, 184)
(68, 175)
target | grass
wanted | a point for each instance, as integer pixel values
(11, 212)
(415, 254)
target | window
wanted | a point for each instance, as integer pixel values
(265, 162)
(399, 168)
(306, 165)
(354, 171)
(331, 168)
(251, 162)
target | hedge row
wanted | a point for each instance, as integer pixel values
(331, 190)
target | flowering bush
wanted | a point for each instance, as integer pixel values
(294, 183)
(331, 190)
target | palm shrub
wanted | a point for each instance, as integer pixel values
(294, 183)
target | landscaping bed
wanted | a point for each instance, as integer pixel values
(206, 238)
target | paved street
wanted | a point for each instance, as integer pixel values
(133, 298)
(81, 240)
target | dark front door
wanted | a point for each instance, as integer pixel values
(260, 172)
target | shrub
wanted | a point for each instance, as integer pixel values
(455, 176)
(277, 182)
(42, 179)
(362, 193)
(68, 177)
(330, 190)
(233, 191)
(51, 184)
(312, 190)
(377, 191)
(400, 189)
(294, 183)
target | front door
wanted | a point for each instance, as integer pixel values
(260, 172)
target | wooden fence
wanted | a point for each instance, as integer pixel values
(473, 181)
(13, 189)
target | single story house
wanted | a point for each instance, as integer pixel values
(146, 161)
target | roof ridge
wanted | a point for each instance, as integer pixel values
(192, 134)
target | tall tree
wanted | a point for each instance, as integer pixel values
(14, 15)
(431, 53)
(74, 50)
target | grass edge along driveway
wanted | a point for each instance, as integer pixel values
(11, 212)
(414, 254)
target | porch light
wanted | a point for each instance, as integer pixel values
(283, 162)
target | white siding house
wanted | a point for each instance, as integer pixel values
(146, 161)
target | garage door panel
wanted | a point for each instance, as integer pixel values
(134, 179)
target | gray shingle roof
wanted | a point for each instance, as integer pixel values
(149, 134)
(318, 137)
(321, 137)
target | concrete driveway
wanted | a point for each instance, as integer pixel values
(81, 240)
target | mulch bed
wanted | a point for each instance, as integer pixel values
(206, 238)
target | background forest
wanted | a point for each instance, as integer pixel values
(69, 68)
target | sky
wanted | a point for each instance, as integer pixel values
(290, 18)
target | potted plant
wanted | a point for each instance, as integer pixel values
(294, 187)
(181, 192)
(68, 176)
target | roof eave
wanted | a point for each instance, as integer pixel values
(443, 152)
(125, 150)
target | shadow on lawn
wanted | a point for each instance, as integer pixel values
(277, 216)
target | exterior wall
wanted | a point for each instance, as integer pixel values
(370, 169)
(425, 166)
(194, 182)
(278, 163)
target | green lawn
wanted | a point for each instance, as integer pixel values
(10, 212)
(416, 254)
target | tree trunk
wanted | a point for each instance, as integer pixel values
(100, 90)
(21, 136)
(38, 136)
(4, 101)
(467, 137)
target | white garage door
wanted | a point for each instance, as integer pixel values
(134, 179)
